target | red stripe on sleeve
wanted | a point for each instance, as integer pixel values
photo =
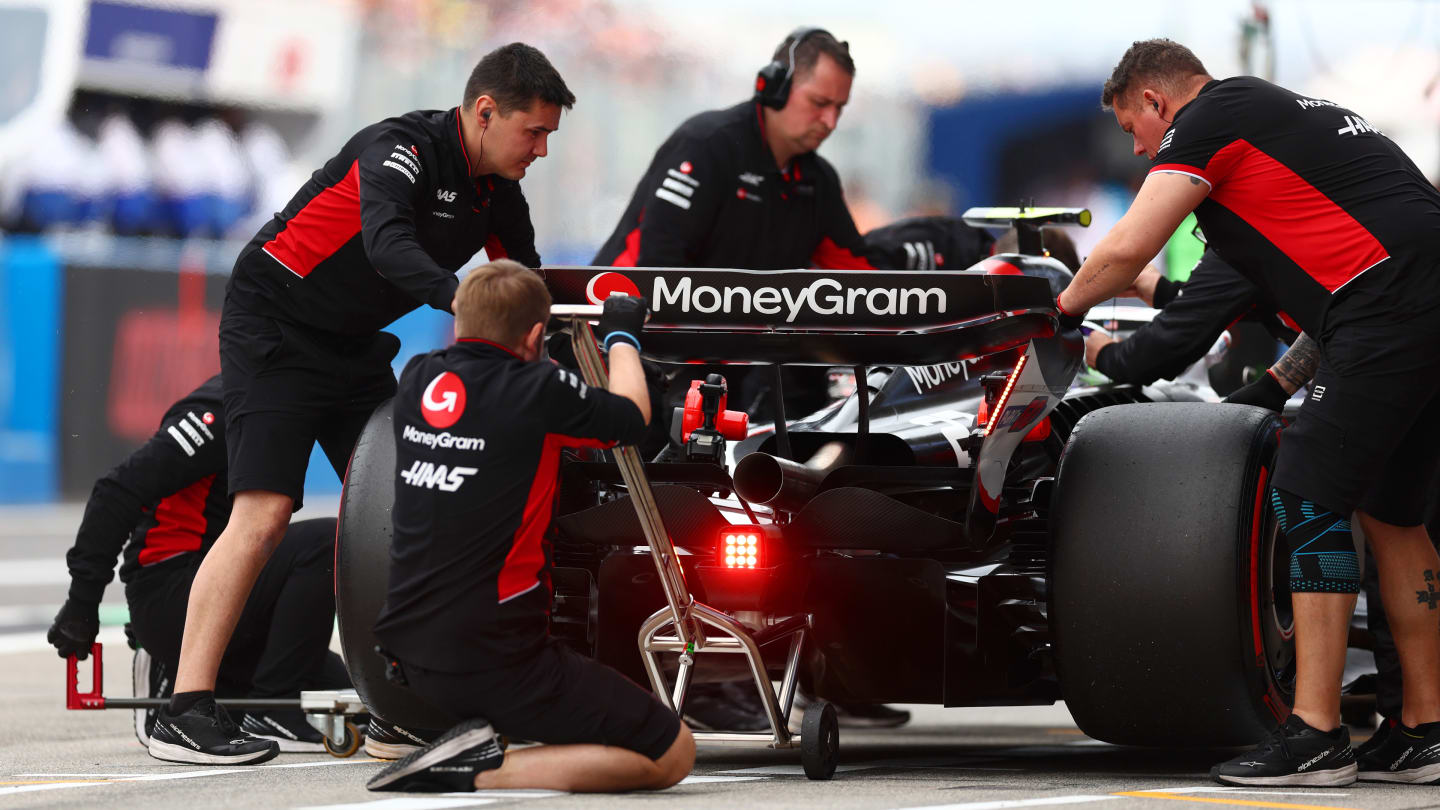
(521, 571)
(494, 249)
(179, 523)
(1308, 227)
(631, 253)
(830, 256)
(327, 222)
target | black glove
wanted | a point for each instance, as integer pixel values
(1265, 392)
(1067, 320)
(622, 321)
(75, 628)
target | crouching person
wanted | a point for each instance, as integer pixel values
(478, 432)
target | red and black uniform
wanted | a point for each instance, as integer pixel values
(1341, 229)
(478, 435)
(713, 197)
(164, 506)
(376, 232)
(1193, 314)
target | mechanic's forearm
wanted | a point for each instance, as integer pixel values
(1106, 273)
(1298, 364)
(627, 377)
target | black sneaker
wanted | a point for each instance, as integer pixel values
(287, 728)
(1293, 754)
(732, 706)
(1376, 739)
(150, 679)
(385, 740)
(1404, 755)
(870, 715)
(447, 765)
(205, 735)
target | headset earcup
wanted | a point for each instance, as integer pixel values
(771, 87)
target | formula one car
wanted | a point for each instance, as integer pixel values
(965, 529)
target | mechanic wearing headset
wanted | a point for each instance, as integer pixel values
(743, 188)
(465, 621)
(1350, 255)
(165, 505)
(377, 231)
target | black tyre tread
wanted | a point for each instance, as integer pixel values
(362, 575)
(820, 741)
(1149, 573)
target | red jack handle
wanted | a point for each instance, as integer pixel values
(74, 698)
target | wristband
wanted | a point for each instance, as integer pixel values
(1066, 319)
(624, 337)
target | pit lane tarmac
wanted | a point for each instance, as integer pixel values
(956, 759)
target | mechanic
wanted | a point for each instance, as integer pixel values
(744, 188)
(379, 230)
(1350, 256)
(1192, 316)
(165, 505)
(465, 621)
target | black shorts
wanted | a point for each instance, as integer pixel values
(1368, 435)
(557, 697)
(287, 387)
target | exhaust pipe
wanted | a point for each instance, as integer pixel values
(785, 484)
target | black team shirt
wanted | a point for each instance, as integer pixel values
(1311, 202)
(713, 197)
(478, 434)
(166, 501)
(380, 230)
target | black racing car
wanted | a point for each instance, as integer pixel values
(965, 529)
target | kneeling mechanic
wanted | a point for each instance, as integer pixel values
(165, 505)
(466, 614)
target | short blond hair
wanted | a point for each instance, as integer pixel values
(501, 301)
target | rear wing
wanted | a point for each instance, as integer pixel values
(1027, 222)
(807, 317)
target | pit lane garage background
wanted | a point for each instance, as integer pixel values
(142, 142)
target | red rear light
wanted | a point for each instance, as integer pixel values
(999, 409)
(741, 547)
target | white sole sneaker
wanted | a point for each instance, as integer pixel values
(454, 742)
(1415, 776)
(169, 752)
(1336, 777)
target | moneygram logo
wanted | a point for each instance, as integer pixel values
(604, 285)
(443, 441)
(444, 400)
(823, 296)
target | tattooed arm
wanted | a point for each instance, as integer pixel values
(1298, 364)
(1163, 201)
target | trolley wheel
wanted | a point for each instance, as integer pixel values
(348, 746)
(820, 741)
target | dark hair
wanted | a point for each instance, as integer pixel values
(1162, 61)
(809, 53)
(515, 76)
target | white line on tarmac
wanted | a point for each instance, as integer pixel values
(788, 770)
(1007, 803)
(437, 803)
(1244, 790)
(35, 571)
(701, 779)
(115, 779)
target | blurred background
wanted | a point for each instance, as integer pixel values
(141, 143)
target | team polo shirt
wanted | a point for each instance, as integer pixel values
(1309, 200)
(478, 435)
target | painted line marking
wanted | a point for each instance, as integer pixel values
(788, 770)
(1006, 803)
(1327, 794)
(55, 782)
(1152, 794)
(701, 779)
(404, 804)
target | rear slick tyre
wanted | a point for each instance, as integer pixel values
(362, 576)
(1169, 599)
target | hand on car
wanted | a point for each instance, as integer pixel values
(622, 321)
(1265, 392)
(1144, 285)
(1094, 342)
(75, 628)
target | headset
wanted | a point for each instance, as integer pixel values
(772, 83)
